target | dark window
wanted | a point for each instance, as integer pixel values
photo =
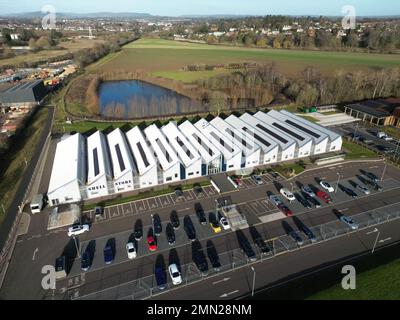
(120, 159)
(315, 135)
(272, 133)
(96, 162)
(165, 152)
(143, 155)
(293, 134)
(210, 152)
(183, 146)
(257, 137)
(222, 142)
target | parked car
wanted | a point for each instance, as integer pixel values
(260, 243)
(169, 231)
(257, 179)
(199, 258)
(238, 181)
(179, 193)
(377, 187)
(200, 214)
(295, 236)
(198, 190)
(175, 274)
(326, 186)
(130, 250)
(310, 235)
(363, 189)
(175, 220)
(285, 210)
(313, 201)
(348, 191)
(287, 194)
(275, 200)
(372, 176)
(157, 226)
(151, 243)
(303, 201)
(86, 261)
(248, 250)
(60, 268)
(108, 255)
(215, 226)
(223, 221)
(189, 229)
(77, 229)
(324, 196)
(161, 278)
(349, 221)
(98, 211)
(213, 256)
(307, 190)
(138, 233)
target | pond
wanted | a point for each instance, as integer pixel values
(138, 99)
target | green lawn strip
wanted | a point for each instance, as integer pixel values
(309, 118)
(283, 169)
(382, 282)
(356, 151)
(20, 153)
(144, 195)
(392, 131)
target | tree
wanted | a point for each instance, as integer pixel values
(261, 42)
(43, 43)
(217, 101)
(351, 40)
(276, 43)
(32, 44)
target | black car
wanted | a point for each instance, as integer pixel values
(86, 261)
(377, 187)
(175, 220)
(169, 230)
(372, 176)
(303, 201)
(138, 231)
(157, 226)
(310, 235)
(260, 243)
(179, 193)
(98, 211)
(189, 228)
(198, 190)
(200, 214)
(312, 200)
(199, 258)
(246, 246)
(213, 256)
(348, 191)
(161, 278)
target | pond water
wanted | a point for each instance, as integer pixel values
(138, 99)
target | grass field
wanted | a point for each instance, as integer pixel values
(168, 57)
(356, 151)
(381, 283)
(16, 159)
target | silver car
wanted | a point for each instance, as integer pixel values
(363, 189)
(350, 222)
(307, 190)
(275, 200)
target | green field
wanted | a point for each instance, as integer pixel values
(381, 283)
(356, 151)
(166, 58)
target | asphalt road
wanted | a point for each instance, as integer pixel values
(40, 247)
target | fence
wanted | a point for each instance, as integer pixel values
(146, 287)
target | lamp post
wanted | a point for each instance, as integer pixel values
(384, 171)
(376, 241)
(254, 281)
(291, 183)
(337, 184)
(77, 249)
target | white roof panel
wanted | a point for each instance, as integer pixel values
(227, 148)
(164, 152)
(186, 152)
(98, 157)
(206, 149)
(69, 162)
(120, 154)
(141, 151)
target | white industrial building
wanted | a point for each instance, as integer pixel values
(124, 170)
(210, 155)
(170, 166)
(99, 167)
(69, 171)
(320, 139)
(286, 144)
(143, 158)
(190, 158)
(251, 152)
(304, 143)
(335, 140)
(232, 155)
(269, 148)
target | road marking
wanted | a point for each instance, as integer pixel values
(34, 254)
(222, 280)
(185, 209)
(228, 294)
(384, 240)
(373, 231)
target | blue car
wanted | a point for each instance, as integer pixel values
(161, 278)
(108, 255)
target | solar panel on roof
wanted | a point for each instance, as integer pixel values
(293, 134)
(257, 137)
(222, 142)
(311, 133)
(143, 155)
(163, 150)
(210, 152)
(96, 162)
(260, 126)
(183, 146)
(120, 158)
(241, 141)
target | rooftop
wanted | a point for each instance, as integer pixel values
(98, 159)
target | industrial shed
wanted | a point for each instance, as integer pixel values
(124, 170)
(68, 176)
(23, 94)
(232, 155)
(170, 166)
(304, 143)
(320, 139)
(269, 148)
(287, 145)
(143, 157)
(99, 166)
(210, 155)
(251, 152)
(335, 139)
(190, 158)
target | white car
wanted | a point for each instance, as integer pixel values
(77, 229)
(224, 223)
(287, 194)
(175, 274)
(350, 222)
(326, 186)
(363, 189)
(130, 250)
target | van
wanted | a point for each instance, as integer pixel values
(37, 203)
(60, 268)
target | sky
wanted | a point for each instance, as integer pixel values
(205, 7)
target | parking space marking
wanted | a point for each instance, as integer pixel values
(152, 203)
(266, 205)
(258, 208)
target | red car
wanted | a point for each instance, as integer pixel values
(324, 196)
(238, 181)
(151, 243)
(285, 210)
